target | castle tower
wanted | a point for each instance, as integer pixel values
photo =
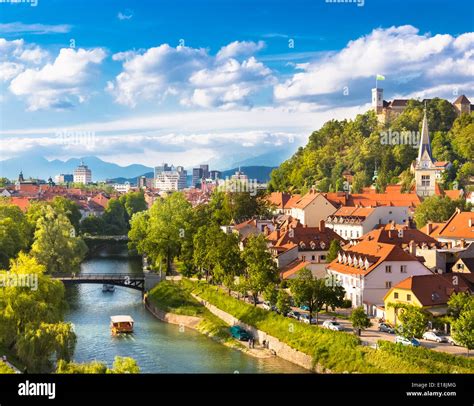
(377, 100)
(425, 169)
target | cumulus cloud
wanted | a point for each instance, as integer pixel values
(191, 74)
(59, 84)
(402, 54)
(240, 48)
(16, 56)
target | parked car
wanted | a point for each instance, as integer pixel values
(452, 341)
(304, 318)
(432, 336)
(266, 305)
(406, 341)
(305, 308)
(332, 325)
(386, 328)
(294, 315)
(239, 333)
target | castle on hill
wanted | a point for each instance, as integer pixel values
(389, 110)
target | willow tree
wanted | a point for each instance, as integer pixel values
(31, 311)
(55, 242)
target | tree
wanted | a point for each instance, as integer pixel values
(413, 320)
(69, 208)
(463, 329)
(93, 225)
(161, 233)
(334, 248)
(270, 294)
(359, 320)
(115, 218)
(334, 296)
(458, 302)
(15, 232)
(283, 303)
(122, 365)
(436, 209)
(260, 269)
(133, 202)
(309, 291)
(56, 245)
(31, 310)
(36, 347)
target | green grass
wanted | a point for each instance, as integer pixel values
(334, 351)
(170, 296)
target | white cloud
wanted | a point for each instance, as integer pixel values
(400, 53)
(126, 15)
(20, 28)
(191, 74)
(239, 48)
(16, 56)
(59, 84)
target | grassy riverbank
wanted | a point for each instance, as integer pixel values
(335, 351)
(171, 297)
(11, 358)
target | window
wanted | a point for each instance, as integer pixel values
(388, 268)
(313, 257)
(351, 233)
(403, 269)
(388, 284)
(303, 257)
(408, 297)
(395, 295)
(322, 257)
(425, 180)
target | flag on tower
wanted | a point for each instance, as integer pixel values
(380, 77)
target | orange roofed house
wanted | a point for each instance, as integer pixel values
(430, 292)
(368, 270)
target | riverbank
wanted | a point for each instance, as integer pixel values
(329, 350)
(170, 303)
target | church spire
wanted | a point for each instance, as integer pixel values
(425, 145)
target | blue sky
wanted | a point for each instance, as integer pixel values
(214, 81)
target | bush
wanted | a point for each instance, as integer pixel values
(346, 304)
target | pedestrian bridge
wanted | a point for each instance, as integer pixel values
(127, 280)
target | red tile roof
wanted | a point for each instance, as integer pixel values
(399, 235)
(372, 254)
(22, 202)
(292, 268)
(460, 225)
(436, 289)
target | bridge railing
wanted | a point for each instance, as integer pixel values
(102, 276)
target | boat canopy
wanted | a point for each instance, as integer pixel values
(121, 319)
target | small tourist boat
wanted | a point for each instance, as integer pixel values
(108, 288)
(121, 324)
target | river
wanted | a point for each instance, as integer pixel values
(157, 347)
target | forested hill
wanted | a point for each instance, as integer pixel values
(359, 145)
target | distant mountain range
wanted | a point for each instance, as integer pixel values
(39, 167)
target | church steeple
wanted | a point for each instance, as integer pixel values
(424, 151)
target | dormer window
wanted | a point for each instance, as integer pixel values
(339, 257)
(323, 245)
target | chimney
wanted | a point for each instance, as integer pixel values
(412, 248)
(462, 243)
(277, 233)
(322, 226)
(389, 234)
(470, 222)
(429, 228)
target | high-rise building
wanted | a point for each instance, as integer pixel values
(197, 176)
(205, 171)
(167, 178)
(142, 182)
(162, 168)
(82, 174)
(64, 178)
(214, 175)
